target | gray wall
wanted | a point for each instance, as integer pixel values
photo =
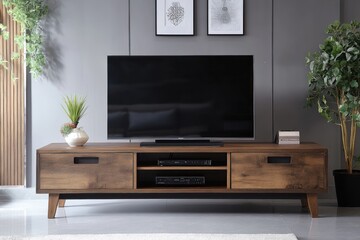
(86, 31)
(298, 29)
(350, 10)
(278, 33)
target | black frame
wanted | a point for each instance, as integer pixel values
(215, 34)
(156, 22)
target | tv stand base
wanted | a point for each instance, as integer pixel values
(128, 171)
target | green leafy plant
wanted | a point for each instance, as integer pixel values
(75, 108)
(66, 129)
(334, 79)
(29, 13)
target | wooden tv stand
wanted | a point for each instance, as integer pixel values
(117, 170)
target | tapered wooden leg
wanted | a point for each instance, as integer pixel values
(312, 201)
(53, 203)
(62, 203)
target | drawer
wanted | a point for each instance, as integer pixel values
(297, 171)
(86, 171)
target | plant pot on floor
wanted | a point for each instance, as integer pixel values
(347, 188)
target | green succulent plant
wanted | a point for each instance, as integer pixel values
(66, 129)
(75, 108)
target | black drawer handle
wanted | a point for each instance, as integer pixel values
(86, 160)
(278, 159)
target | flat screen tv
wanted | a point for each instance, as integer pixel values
(180, 97)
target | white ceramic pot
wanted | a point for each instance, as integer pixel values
(77, 137)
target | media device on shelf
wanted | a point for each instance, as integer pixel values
(180, 181)
(184, 162)
(181, 98)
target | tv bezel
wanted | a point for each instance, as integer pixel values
(153, 139)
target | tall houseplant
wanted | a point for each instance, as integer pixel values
(334, 80)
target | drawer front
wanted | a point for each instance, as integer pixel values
(298, 171)
(86, 171)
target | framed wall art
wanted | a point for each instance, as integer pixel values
(225, 17)
(174, 18)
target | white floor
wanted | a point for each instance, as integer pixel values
(29, 217)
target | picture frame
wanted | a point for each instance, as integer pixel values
(174, 18)
(225, 17)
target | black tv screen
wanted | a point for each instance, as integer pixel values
(172, 97)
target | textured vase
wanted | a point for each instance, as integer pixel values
(77, 137)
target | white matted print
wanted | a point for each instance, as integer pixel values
(225, 17)
(174, 17)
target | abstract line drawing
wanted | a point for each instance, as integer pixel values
(175, 13)
(224, 14)
(174, 17)
(225, 17)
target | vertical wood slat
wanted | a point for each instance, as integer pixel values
(12, 108)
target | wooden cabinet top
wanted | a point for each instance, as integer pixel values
(228, 147)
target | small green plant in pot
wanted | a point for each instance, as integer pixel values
(75, 108)
(334, 88)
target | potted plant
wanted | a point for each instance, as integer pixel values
(75, 108)
(334, 79)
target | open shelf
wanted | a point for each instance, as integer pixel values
(181, 171)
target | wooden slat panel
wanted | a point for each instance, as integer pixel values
(12, 121)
